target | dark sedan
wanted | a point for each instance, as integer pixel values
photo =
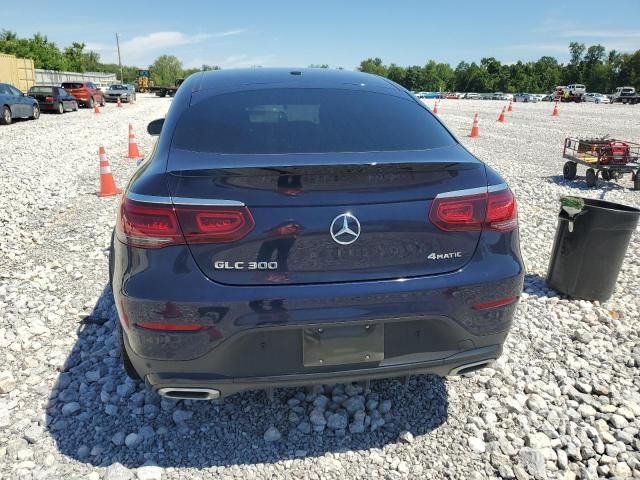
(308, 227)
(15, 104)
(54, 99)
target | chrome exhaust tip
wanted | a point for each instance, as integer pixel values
(189, 393)
(471, 367)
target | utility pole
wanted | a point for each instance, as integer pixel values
(119, 59)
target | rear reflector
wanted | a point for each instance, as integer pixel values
(171, 327)
(152, 225)
(489, 211)
(495, 303)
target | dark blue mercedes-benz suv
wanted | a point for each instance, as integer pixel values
(304, 227)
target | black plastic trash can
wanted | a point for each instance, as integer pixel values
(589, 249)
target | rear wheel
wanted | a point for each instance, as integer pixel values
(569, 170)
(5, 118)
(60, 108)
(606, 175)
(90, 103)
(35, 112)
(591, 177)
(75, 106)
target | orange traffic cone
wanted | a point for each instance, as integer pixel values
(133, 146)
(107, 183)
(119, 103)
(501, 117)
(435, 107)
(555, 110)
(96, 108)
(510, 109)
(475, 131)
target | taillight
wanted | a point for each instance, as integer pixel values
(490, 211)
(150, 225)
(49, 99)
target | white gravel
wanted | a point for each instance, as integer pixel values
(562, 402)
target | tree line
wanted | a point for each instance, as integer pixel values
(47, 55)
(599, 70)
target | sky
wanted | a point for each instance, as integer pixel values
(234, 34)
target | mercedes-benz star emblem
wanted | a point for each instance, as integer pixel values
(345, 229)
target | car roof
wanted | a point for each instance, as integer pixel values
(247, 78)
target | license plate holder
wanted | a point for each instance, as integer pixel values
(342, 345)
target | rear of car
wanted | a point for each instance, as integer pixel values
(53, 99)
(85, 93)
(304, 227)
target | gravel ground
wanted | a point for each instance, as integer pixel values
(562, 402)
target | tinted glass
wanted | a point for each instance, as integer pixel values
(307, 121)
(72, 85)
(41, 90)
(118, 87)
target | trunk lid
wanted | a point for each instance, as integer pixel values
(300, 205)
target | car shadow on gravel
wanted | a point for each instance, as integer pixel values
(602, 186)
(96, 415)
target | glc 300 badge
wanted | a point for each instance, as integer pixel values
(345, 229)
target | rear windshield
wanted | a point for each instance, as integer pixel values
(41, 90)
(117, 87)
(295, 120)
(72, 85)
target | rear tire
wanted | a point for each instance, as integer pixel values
(90, 103)
(60, 109)
(75, 107)
(5, 118)
(569, 170)
(606, 175)
(591, 177)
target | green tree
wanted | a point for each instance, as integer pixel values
(166, 69)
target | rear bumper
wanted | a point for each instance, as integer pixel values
(252, 337)
(166, 382)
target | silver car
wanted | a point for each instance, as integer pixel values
(125, 92)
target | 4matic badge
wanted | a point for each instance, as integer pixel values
(444, 256)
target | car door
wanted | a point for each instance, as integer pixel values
(95, 93)
(17, 102)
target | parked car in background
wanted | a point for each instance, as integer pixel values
(15, 104)
(500, 96)
(125, 92)
(625, 95)
(251, 288)
(428, 95)
(86, 93)
(472, 96)
(549, 97)
(453, 95)
(54, 99)
(526, 98)
(596, 98)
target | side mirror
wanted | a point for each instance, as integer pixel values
(155, 127)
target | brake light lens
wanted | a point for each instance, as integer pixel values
(49, 99)
(486, 211)
(149, 225)
(171, 327)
